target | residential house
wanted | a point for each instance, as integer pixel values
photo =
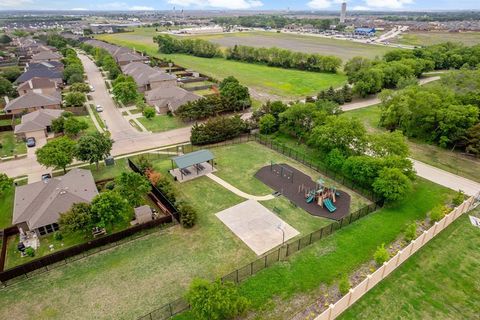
(169, 98)
(32, 101)
(52, 74)
(38, 85)
(148, 78)
(122, 55)
(125, 58)
(36, 124)
(44, 56)
(37, 206)
(52, 65)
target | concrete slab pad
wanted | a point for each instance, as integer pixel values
(256, 226)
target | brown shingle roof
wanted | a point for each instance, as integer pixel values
(37, 83)
(46, 55)
(40, 203)
(173, 97)
(33, 100)
(144, 74)
(37, 120)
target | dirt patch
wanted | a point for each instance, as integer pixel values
(290, 189)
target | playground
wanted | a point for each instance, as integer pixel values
(316, 197)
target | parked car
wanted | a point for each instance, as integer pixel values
(99, 108)
(31, 142)
(46, 176)
(92, 89)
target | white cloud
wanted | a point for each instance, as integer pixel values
(122, 6)
(361, 8)
(387, 4)
(323, 4)
(141, 8)
(226, 4)
(79, 9)
(17, 4)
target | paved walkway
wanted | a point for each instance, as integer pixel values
(445, 178)
(238, 192)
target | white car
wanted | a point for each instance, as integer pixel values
(92, 89)
(99, 108)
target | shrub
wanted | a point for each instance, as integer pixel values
(438, 213)
(58, 236)
(110, 185)
(188, 215)
(149, 112)
(29, 251)
(381, 255)
(217, 130)
(344, 285)
(215, 300)
(143, 163)
(459, 198)
(411, 232)
(165, 185)
(267, 124)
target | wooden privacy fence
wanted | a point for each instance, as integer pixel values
(334, 310)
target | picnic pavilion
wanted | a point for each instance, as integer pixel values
(192, 165)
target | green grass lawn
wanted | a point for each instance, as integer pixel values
(444, 159)
(6, 207)
(91, 126)
(161, 123)
(438, 282)
(286, 288)
(435, 37)
(239, 170)
(286, 83)
(10, 146)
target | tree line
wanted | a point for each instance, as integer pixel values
(196, 47)
(375, 161)
(284, 58)
(273, 21)
(400, 68)
(276, 57)
(446, 113)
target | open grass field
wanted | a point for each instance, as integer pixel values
(264, 82)
(284, 289)
(10, 146)
(136, 277)
(438, 282)
(435, 37)
(444, 159)
(161, 123)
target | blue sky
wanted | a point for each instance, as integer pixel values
(240, 4)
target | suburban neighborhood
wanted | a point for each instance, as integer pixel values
(316, 163)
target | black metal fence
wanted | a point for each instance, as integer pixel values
(170, 309)
(172, 210)
(80, 251)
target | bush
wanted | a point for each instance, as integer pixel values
(149, 112)
(29, 251)
(188, 215)
(143, 163)
(215, 300)
(110, 185)
(58, 236)
(411, 232)
(381, 255)
(217, 130)
(438, 213)
(459, 198)
(268, 124)
(344, 285)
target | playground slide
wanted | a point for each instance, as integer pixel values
(329, 205)
(310, 198)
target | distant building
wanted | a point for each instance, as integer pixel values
(201, 30)
(343, 13)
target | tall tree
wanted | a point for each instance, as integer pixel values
(132, 186)
(94, 147)
(5, 183)
(78, 218)
(107, 208)
(57, 153)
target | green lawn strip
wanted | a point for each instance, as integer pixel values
(6, 207)
(433, 155)
(97, 116)
(438, 282)
(161, 123)
(342, 253)
(237, 164)
(277, 81)
(10, 146)
(136, 277)
(431, 38)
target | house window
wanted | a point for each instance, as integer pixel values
(55, 227)
(49, 228)
(42, 231)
